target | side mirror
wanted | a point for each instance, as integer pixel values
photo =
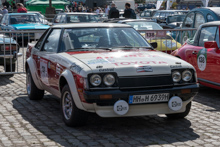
(211, 44)
(153, 44)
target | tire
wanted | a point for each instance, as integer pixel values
(10, 67)
(180, 115)
(33, 92)
(75, 117)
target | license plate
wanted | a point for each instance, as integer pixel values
(150, 98)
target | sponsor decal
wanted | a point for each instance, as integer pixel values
(44, 71)
(98, 60)
(175, 66)
(99, 66)
(51, 66)
(144, 69)
(121, 107)
(76, 68)
(107, 70)
(175, 103)
(202, 59)
(58, 69)
(139, 63)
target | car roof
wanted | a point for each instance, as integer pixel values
(213, 23)
(172, 11)
(91, 25)
(21, 14)
(72, 13)
(214, 9)
(136, 20)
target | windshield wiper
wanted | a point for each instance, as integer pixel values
(87, 48)
(130, 47)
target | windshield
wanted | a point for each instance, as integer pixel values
(95, 38)
(178, 18)
(82, 18)
(23, 19)
(145, 25)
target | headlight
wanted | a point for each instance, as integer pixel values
(176, 75)
(95, 80)
(187, 75)
(109, 80)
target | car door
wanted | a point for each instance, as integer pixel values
(200, 57)
(36, 52)
(215, 53)
(48, 59)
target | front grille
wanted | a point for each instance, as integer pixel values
(145, 81)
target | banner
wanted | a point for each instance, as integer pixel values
(169, 4)
(205, 3)
(159, 3)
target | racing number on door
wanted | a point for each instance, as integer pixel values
(44, 71)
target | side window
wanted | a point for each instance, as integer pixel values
(189, 20)
(207, 34)
(157, 14)
(210, 18)
(40, 41)
(57, 19)
(162, 15)
(199, 20)
(63, 19)
(51, 43)
(142, 14)
(217, 37)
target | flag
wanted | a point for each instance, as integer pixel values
(159, 3)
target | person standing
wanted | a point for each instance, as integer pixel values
(113, 13)
(97, 10)
(21, 8)
(106, 10)
(128, 12)
(4, 11)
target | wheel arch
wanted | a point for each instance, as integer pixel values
(67, 78)
(30, 65)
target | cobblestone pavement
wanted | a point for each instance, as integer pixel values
(38, 123)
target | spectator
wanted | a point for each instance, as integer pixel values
(97, 10)
(79, 9)
(21, 8)
(107, 10)
(14, 6)
(5, 11)
(113, 13)
(128, 12)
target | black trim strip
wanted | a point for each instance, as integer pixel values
(209, 82)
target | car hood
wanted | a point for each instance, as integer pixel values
(6, 40)
(130, 63)
(30, 26)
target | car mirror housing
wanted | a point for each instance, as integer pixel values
(211, 44)
(154, 44)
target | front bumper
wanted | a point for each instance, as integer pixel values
(104, 108)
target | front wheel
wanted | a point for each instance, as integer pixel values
(33, 92)
(72, 115)
(180, 115)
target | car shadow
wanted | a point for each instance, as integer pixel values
(6, 79)
(209, 97)
(45, 116)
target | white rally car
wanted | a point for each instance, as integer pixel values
(108, 69)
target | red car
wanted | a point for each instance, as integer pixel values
(203, 52)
